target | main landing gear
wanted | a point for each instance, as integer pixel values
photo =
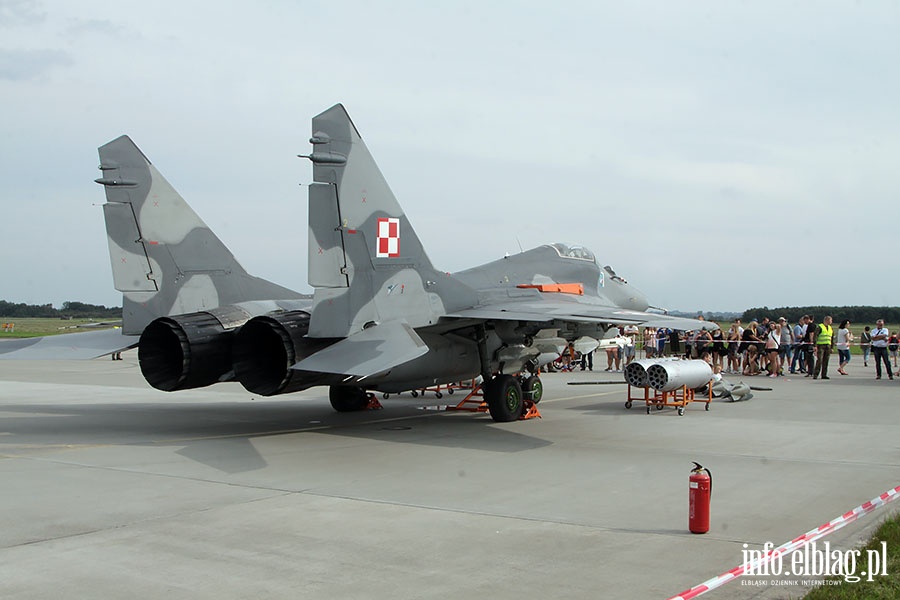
(510, 399)
(506, 397)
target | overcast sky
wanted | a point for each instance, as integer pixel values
(719, 155)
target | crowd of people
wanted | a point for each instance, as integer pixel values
(774, 347)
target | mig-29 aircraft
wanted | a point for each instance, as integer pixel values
(382, 317)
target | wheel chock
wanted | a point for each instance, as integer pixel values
(372, 402)
(531, 411)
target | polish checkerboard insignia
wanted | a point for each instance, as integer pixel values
(388, 238)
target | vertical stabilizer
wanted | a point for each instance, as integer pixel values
(366, 262)
(165, 260)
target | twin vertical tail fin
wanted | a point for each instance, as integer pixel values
(366, 262)
(165, 260)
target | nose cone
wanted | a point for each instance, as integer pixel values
(626, 295)
(634, 298)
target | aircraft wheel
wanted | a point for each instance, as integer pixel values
(347, 399)
(504, 398)
(533, 388)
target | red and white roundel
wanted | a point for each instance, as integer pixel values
(388, 238)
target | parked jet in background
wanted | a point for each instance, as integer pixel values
(382, 317)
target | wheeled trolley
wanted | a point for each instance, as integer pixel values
(679, 397)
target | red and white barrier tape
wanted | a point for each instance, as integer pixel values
(810, 536)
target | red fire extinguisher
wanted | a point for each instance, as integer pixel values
(699, 495)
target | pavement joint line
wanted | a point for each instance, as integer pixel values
(462, 511)
(138, 522)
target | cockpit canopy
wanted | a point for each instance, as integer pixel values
(582, 253)
(574, 251)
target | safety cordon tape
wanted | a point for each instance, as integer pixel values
(796, 543)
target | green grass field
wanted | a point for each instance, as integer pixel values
(34, 327)
(885, 587)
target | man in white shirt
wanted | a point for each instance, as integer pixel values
(631, 333)
(799, 347)
(880, 337)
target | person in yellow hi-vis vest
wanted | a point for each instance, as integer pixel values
(824, 341)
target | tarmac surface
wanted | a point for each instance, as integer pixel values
(114, 490)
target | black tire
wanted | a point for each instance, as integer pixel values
(504, 398)
(533, 388)
(347, 399)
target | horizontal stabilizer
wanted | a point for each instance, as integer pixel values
(369, 352)
(70, 346)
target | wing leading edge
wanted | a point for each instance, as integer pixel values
(545, 311)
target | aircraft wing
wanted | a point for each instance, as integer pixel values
(69, 346)
(544, 311)
(369, 352)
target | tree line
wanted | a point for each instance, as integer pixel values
(70, 309)
(855, 314)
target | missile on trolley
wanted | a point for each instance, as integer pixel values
(636, 370)
(670, 375)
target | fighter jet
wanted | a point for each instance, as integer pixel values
(381, 318)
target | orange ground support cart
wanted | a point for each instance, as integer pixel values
(679, 398)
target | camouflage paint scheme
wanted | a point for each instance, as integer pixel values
(381, 317)
(356, 290)
(165, 260)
